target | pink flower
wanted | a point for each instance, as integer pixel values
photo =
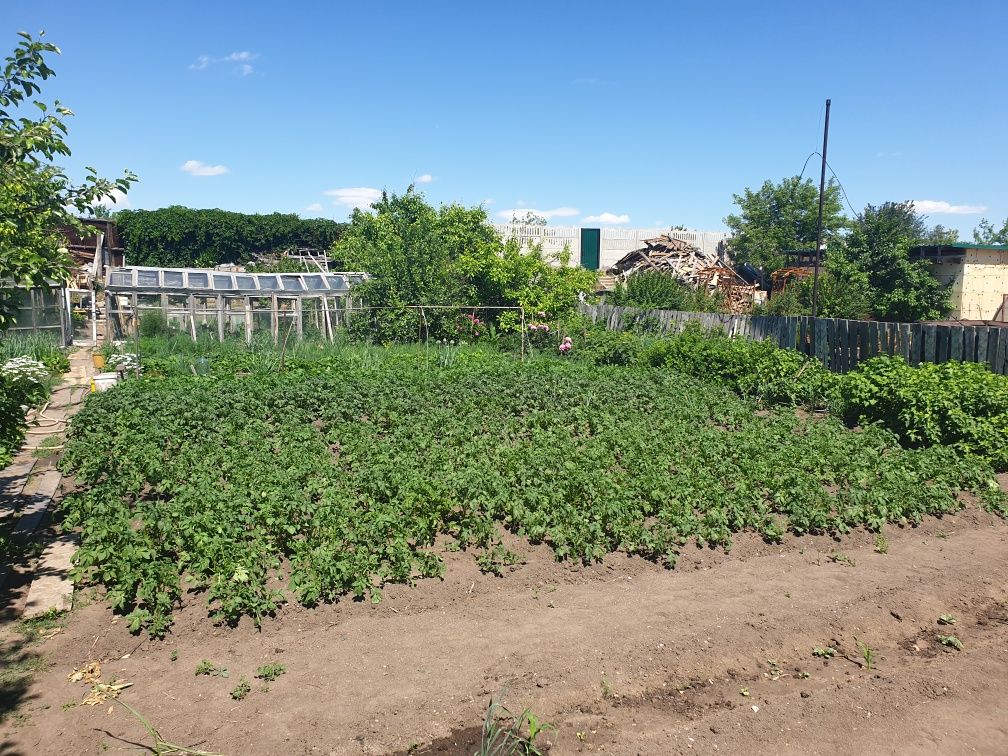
(566, 345)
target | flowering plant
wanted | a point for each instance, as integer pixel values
(126, 362)
(25, 369)
(566, 345)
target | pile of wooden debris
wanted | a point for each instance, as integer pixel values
(689, 264)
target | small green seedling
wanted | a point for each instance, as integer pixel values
(950, 641)
(866, 653)
(946, 619)
(841, 558)
(824, 653)
(881, 544)
(607, 691)
(173, 656)
(744, 692)
(241, 690)
(270, 672)
(211, 669)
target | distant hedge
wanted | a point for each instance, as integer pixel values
(183, 236)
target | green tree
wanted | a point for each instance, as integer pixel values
(878, 248)
(940, 235)
(36, 196)
(985, 233)
(780, 217)
(420, 255)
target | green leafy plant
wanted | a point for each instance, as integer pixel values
(241, 690)
(958, 404)
(867, 653)
(946, 619)
(881, 544)
(354, 467)
(950, 641)
(270, 672)
(209, 668)
(827, 652)
(507, 734)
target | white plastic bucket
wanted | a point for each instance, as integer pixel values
(103, 382)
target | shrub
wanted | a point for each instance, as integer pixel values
(958, 404)
(755, 369)
(663, 291)
(186, 236)
(154, 323)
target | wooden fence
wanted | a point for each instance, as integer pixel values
(839, 344)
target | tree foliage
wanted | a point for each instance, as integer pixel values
(986, 233)
(36, 196)
(878, 249)
(451, 255)
(181, 236)
(782, 217)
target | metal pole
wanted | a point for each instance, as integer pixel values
(818, 242)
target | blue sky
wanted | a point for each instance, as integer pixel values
(640, 113)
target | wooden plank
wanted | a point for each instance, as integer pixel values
(969, 344)
(791, 337)
(929, 351)
(831, 343)
(904, 340)
(1001, 360)
(916, 343)
(873, 339)
(843, 349)
(956, 338)
(982, 337)
(248, 320)
(942, 343)
(889, 334)
(819, 336)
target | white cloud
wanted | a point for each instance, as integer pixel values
(314, 207)
(488, 201)
(242, 57)
(199, 168)
(424, 179)
(606, 218)
(941, 207)
(116, 199)
(556, 212)
(356, 196)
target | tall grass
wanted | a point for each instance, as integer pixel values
(42, 347)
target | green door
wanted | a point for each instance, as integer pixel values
(591, 241)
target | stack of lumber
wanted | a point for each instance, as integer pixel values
(664, 254)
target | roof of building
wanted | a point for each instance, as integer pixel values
(958, 247)
(199, 280)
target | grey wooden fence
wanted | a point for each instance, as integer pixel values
(839, 344)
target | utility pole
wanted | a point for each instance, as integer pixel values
(818, 241)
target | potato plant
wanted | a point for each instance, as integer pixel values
(258, 489)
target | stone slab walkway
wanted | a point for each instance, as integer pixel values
(28, 487)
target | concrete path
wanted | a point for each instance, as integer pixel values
(29, 485)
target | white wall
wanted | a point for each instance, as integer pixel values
(615, 242)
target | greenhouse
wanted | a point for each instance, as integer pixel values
(229, 304)
(40, 309)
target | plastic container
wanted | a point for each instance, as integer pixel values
(103, 382)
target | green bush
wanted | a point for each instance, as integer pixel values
(181, 236)
(756, 369)
(959, 404)
(663, 291)
(154, 323)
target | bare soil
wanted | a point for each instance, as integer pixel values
(622, 657)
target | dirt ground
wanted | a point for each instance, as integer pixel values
(622, 657)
